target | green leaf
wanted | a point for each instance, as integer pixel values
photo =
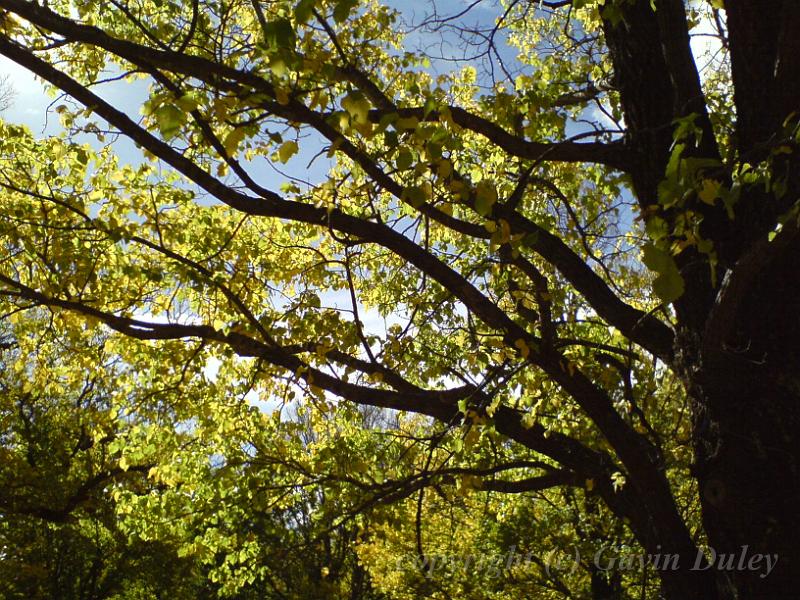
(668, 285)
(657, 228)
(169, 119)
(280, 35)
(612, 13)
(342, 10)
(303, 11)
(405, 158)
(188, 102)
(675, 161)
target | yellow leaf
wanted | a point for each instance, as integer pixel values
(358, 108)
(287, 150)
(523, 348)
(505, 230)
(281, 96)
(445, 168)
(485, 197)
(407, 123)
(473, 435)
(446, 116)
(709, 191)
(232, 140)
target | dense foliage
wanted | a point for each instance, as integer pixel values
(331, 300)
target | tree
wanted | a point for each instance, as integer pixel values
(6, 93)
(504, 251)
(59, 529)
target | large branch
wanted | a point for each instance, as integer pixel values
(614, 154)
(532, 484)
(80, 496)
(765, 62)
(643, 329)
(271, 204)
(687, 91)
(405, 487)
(439, 404)
(632, 448)
(787, 80)
(657, 81)
(765, 51)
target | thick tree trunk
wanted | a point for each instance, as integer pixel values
(746, 389)
(737, 347)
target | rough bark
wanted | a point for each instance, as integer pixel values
(746, 392)
(737, 342)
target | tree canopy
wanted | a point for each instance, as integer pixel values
(350, 299)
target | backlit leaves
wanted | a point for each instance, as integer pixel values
(233, 452)
(668, 284)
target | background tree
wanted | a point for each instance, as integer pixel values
(6, 93)
(61, 414)
(497, 225)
